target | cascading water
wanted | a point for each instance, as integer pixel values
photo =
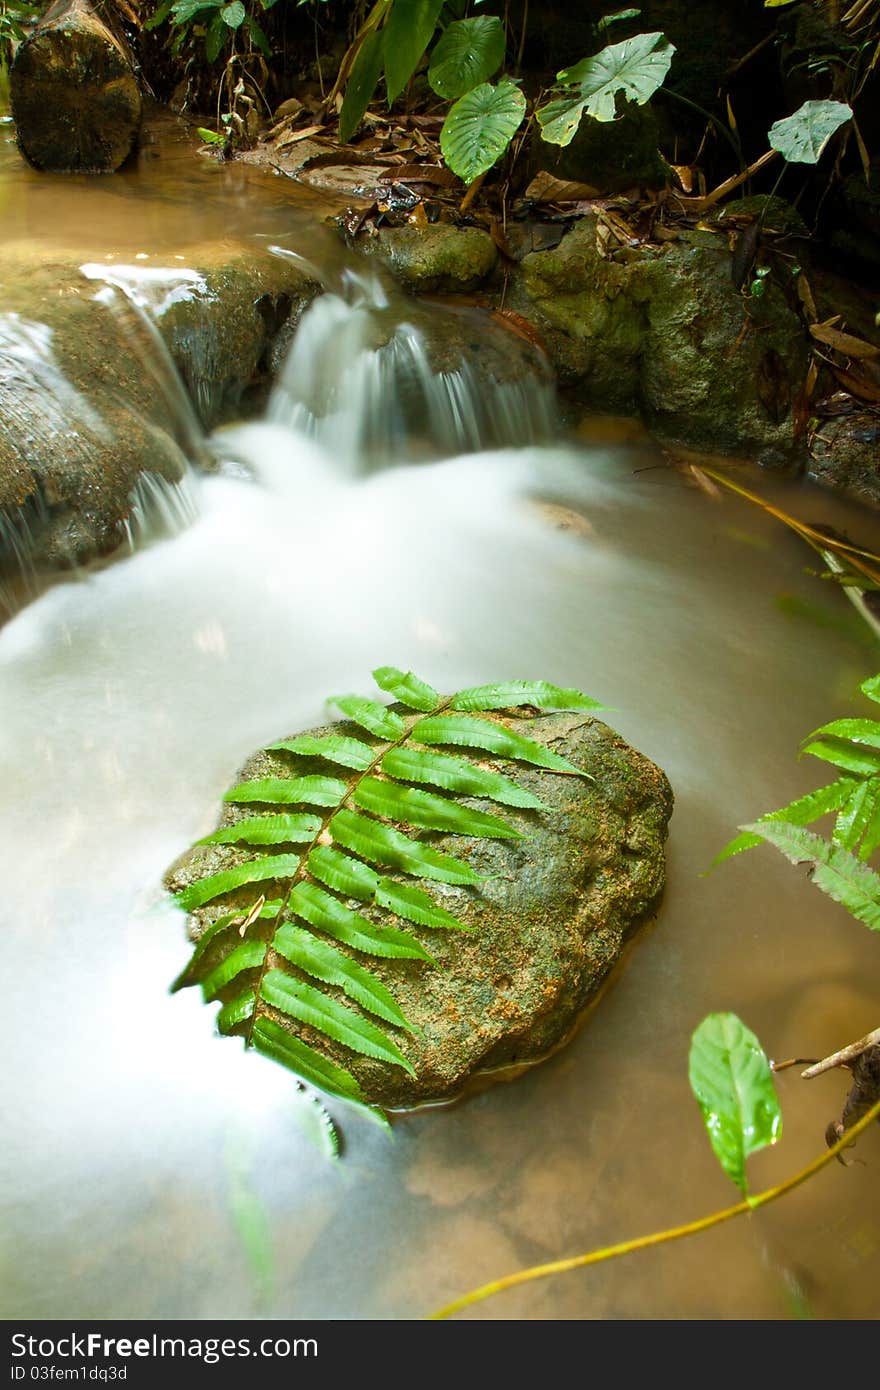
(127, 702)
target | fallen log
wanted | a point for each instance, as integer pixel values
(76, 99)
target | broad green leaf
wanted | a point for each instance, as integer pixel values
(322, 910)
(215, 38)
(258, 36)
(801, 138)
(265, 830)
(495, 738)
(350, 752)
(189, 973)
(380, 844)
(234, 14)
(244, 957)
(844, 755)
(408, 31)
(634, 69)
(731, 1079)
(273, 1040)
(855, 817)
(866, 731)
(837, 872)
(871, 688)
(237, 1011)
(800, 812)
(407, 688)
(457, 775)
(278, 866)
(316, 1009)
(290, 791)
(413, 807)
(479, 128)
(375, 718)
(468, 52)
(348, 876)
(362, 83)
(324, 962)
(514, 693)
(415, 905)
(185, 10)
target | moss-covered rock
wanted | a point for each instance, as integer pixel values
(845, 455)
(546, 927)
(435, 258)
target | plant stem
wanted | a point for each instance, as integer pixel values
(705, 1223)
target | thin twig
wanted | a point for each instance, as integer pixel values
(845, 1055)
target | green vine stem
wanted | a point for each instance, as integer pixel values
(610, 1252)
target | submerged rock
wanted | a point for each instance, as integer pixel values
(546, 928)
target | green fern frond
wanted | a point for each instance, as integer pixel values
(291, 960)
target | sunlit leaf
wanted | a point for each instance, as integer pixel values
(189, 975)
(321, 909)
(426, 809)
(479, 128)
(845, 755)
(290, 791)
(871, 688)
(350, 752)
(247, 956)
(236, 1012)
(837, 872)
(273, 1040)
(380, 844)
(234, 14)
(278, 866)
(866, 731)
(801, 138)
(857, 814)
(375, 718)
(415, 905)
(731, 1079)
(407, 688)
(335, 1020)
(345, 875)
(468, 52)
(265, 830)
(495, 738)
(456, 775)
(324, 962)
(803, 811)
(513, 693)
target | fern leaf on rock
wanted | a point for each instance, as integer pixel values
(296, 961)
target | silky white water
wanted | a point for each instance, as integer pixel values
(128, 700)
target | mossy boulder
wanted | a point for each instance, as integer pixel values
(435, 258)
(545, 928)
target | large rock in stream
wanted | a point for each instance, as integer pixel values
(546, 928)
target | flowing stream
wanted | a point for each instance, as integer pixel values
(150, 1169)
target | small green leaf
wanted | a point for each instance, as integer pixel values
(731, 1079)
(361, 85)
(321, 909)
(265, 830)
(865, 731)
(415, 905)
(185, 10)
(457, 775)
(257, 35)
(407, 688)
(426, 809)
(858, 813)
(479, 128)
(800, 812)
(408, 30)
(278, 866)
(837, 872)
(633, 69)
(348, 876)
(380, 844)
(318, 1010)
(237, 1011)
(468, 52)
(273, 1040)
(210, 137)
(350, 752)
(514, 693)
(189, 974)
(375, 718)
(801, 138)
(290, 791)
(871, 688)
(244, 957)
(845, 755)
(234, 14)
(495, 738)
(607, 20)
(325, 963)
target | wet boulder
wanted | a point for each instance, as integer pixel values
(434, 258)
(546, 926)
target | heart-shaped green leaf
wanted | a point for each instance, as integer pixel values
(480, 127)
(634, 69)
(801, 138)
(468, 53)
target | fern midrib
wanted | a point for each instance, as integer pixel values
(346, 802)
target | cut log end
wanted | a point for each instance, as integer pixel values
(76, 101)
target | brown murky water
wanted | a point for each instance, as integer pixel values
(139, 1147)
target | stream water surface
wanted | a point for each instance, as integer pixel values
(152, 1170)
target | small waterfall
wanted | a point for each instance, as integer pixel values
(372, 387)
(160, 509)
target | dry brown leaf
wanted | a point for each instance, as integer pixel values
(547, 188)
(509, 318)
(289, 108)
(293, 137)
(860, 381)
(844, 343)
(435, 174)
(805, 295)
(684, 177)
(418, 218)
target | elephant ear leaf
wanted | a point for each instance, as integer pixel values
(359, 896)
(801, 138)
(479, 128)
(632, 69)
